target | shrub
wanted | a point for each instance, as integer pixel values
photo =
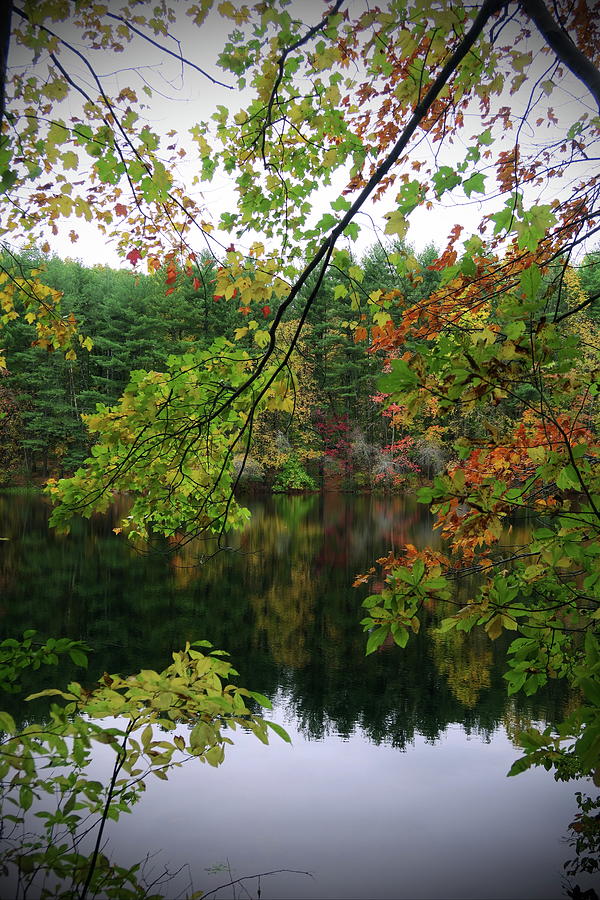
(294, 477)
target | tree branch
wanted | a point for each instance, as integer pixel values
(564, 46)
(182, 59)
(4, 47)
(489, 8)
(576, 309)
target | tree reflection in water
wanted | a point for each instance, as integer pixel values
(281, 603)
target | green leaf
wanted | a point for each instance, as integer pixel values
(7, 723)
(202, 735)
(519, 765)
(530, 281)
(215, 756)
(148, 138)
(445, 179)
(78, 657)
(532, 228)
(503, 219)
(400, 379)
(278, 729)
(260, 698)
(475, 184)
(376, 639)
(341, 204)
(567, 479)
(400, 634)
(591, 689)
(25, 797)
(424, 495)
(326, 222)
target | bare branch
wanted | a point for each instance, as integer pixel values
(182, 59)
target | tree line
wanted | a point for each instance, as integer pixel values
(341, 427)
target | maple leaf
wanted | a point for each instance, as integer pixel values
(396, 223)
(266, 311)
(120, 210)
(134, 256)
(196, 283)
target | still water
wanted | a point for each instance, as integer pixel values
(395, 784)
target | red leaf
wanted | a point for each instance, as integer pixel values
(121, 210)
(134, 256)
(230, 249)
(169, 291)
(245, 310)
(196, 283)
(266, 311)
(218, 297)
(171, 274)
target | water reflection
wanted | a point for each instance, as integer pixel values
(437, 820)
(279, 601)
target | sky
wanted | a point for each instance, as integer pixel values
(181, 97)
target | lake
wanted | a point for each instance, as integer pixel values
(394, 786)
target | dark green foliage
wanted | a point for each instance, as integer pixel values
(132, 323)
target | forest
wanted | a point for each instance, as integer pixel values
(358, 256)
(341, 432)
(135, 322)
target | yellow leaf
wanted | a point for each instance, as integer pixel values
(537, 454)
(396, 223)
(69, 160)
(261, 338)
(227, 10)
(494, 627)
